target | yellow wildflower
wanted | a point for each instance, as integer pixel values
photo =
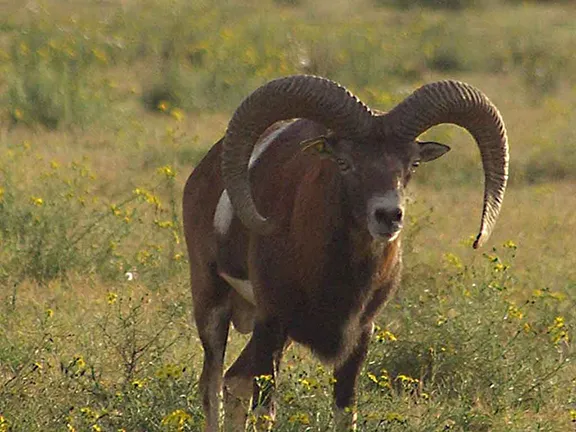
(405, 379)
(18, 114)
(514, 312)
(177, 114)
(499, 267)
(37, 201)
(453, 260)
(169, 371)
(79, 362)
(382, 381)
(288, 397)
(111, 297)
(147, 196)
(309, 384)
(558, 330)
(138, 384)
(176, 419)
(24, 49)
(300, 418)
(264, 379)
(163, 224)
(385, 335)
(492, 258)
(115, 210)
(441, 320)
(89, 413)
(558, 322)
(163, 106)
(167, 170)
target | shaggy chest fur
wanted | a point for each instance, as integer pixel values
(330, 325)
(326, 306)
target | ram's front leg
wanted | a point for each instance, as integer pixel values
(346, 377)
(268, 339)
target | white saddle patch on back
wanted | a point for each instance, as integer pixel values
(224, 211)
(223, 215)
(242, 287)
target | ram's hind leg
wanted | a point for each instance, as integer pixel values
(212, 312)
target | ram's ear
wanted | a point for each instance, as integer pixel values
(319, 146)
(430, 150)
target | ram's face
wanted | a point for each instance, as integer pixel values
(375, 175)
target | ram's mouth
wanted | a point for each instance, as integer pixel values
(384, 236)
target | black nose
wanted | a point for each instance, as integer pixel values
(388, 216)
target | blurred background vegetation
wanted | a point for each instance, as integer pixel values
(107, 105)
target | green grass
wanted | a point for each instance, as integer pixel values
(107, 107)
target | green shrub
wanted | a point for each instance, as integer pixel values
(57, 226)
(120, 373)
(50, 79)
(551, 166)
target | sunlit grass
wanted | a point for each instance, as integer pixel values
(106, 109)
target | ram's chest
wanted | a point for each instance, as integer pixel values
(346, 302)
(331, 324)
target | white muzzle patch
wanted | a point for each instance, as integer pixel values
(382, 214)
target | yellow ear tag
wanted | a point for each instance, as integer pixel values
(317, 145)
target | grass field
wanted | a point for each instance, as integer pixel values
(107, 105)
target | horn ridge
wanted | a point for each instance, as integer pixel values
(459, 103)
(297, 96)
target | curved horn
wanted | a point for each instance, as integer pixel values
(461, 104)
(303, 96)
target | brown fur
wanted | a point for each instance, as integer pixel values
(319, 280)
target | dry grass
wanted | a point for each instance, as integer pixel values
(82, 348)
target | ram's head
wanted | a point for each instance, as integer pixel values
(374, 152)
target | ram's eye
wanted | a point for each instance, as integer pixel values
(415, 164)
(343, 165)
